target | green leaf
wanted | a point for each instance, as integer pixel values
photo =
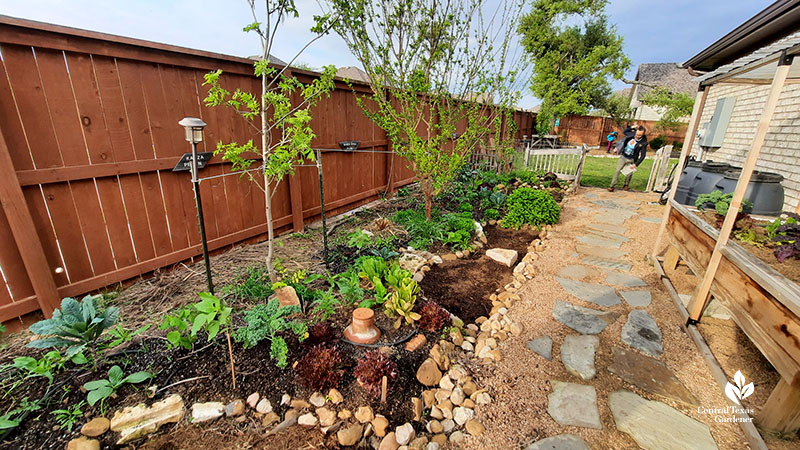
(50, 342)
(99, 394)
(213, 330)
(74, 350)
(6, 424)
(199, 321)
(137, 377)
(94, 385)
(174, 337)
(115, 375)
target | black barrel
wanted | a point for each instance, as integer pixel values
(706, 180)
(764, 190)
(687, 178)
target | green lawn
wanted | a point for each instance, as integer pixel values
(598, 171)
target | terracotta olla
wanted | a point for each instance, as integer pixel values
(363, 329)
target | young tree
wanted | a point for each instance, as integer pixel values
(284, 124)
(618, 108)
(675, 107)
(442, 74)
(575, 51)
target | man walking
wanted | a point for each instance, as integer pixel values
(632, 153)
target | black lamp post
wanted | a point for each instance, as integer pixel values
(194, 135)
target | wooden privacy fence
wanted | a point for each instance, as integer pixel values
(88, 138)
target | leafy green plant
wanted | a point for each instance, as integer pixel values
(47, 366)
(100, 390)
(253, 284)
(13, 418)
(76, 326)
(401, 301)
(325, 305)
(395, 275)
(721, 202)
(349, 285)
(266, 321)
(403, 192)
(119, 335)
(386, 253)
(491, 214)
(372, 268)
(2, 328)
(359, 239)
(787, 237)
(180, 323)
(66, 418)
(532, 207)
(465, 207)
(772, 228)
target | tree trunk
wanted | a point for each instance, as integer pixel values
(428, 201)
(267, 190)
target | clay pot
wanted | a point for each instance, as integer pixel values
(363, 329)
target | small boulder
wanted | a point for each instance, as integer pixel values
(135, 422)
(95, 427)
(503, 256)
(350, 435)
(428, 373)
(204, 412)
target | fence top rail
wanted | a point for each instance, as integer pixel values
(556, 151)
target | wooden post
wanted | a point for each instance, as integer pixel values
(688, 142)
(660, 180)
(296, 196)
(24, 232)
(653, 169)
(781, 411)
(700, 300)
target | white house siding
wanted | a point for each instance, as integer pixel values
(781, 151)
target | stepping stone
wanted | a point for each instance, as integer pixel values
(636, 298)
(560, 442)
(652, 219)
(613, 220)
(641, 332)
(601, 252)
(623, 279)
(611, 236)
(573, 404)
(606, 228)
(598, 241)
(649, 374)
(590, 292)
(577, 272)
(654, 425)
(583, 320)
(590, 195)
(543, 346)
(577, 354)
(607, 263)
(584, 209)
(612, 204)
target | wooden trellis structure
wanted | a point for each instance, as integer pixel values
(764, 303)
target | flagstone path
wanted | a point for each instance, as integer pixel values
(574, 402)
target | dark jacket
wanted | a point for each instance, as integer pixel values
(640, 151)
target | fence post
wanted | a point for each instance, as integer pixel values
(24, 232)
(296, 197)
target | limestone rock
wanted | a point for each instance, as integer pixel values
(95, 427)
(298, 404)
(344, 414)
(559, 442)
(503, 256)
(335, 396)
(252, 399)
(416, 342)
(574, 405)
(327, 417)
(350, 435)
(448, 425)
(457, 437)
(83, 443)
(364, 414)
(474, 427)
(317, 399)
(389, 442)
(577, 354)
(134, 422)
(462, 415)
(416, 407)
(234, 408)
(264, 406)
(270, 419)
(428, 373)
(307, 420)
(654, 425)
(457, 397)
(379, 425)
(543, 346)
(404, 433)
(434, 426)
(287, 296)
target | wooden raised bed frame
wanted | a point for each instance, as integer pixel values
(764, 303)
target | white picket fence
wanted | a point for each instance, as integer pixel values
(660, 171)
(566, 163)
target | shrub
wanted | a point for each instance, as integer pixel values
(657, 142)
(465, 207)
(77, 325)
(432, 317)
(491, 214)
(321, 368)
(371, 369)
(530, 206)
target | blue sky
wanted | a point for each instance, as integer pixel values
(654, 30)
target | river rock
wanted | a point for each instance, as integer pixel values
(404, 433)
(654, 425)
(134, 422)
(83, 443)
(577, 354)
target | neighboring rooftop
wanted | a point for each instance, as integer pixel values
(352, 73)
(668, 75)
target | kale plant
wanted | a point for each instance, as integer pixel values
(76, 326)
(266, 321)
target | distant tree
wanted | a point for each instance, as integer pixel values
(284, 125)
(575, 51)
(618, 108)
(304, 66)
(443, 77)
(674, 107)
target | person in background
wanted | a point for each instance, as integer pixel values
(632, 151)
(612, 137)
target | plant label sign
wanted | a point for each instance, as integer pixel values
(349, 146)
(185, 163)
